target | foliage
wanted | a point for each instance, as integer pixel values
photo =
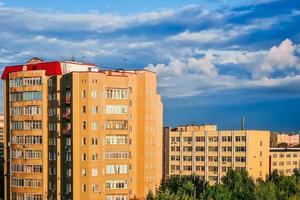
(236, 185)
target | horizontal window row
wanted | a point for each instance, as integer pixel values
(26, 139)
(116, 109)
(25, 81)
(210, 139)
(110, 93)
(116, 184)
(28, 154)
(26, 96)
(281, 163)
(202, 168)
(26, 110)
(210, 148)
(117, 197)
(282, 155)
(19, 168)
(26, 196)
(19, 182)
(94, 188)
(26, 125)
(210, 158)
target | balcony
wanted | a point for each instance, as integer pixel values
(66, 131)
(68, 100)
(66, 116)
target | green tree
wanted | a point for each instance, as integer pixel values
(239, 184)
(217, 192)
(265, 191)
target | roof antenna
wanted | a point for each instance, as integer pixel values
(125, 60)
(243, 122)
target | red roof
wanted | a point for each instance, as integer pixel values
(51, 68)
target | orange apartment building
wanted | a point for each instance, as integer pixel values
(72, 131)
(205, 151)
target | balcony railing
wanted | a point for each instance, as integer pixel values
(66, 116)
(66, 131)
(68, 100)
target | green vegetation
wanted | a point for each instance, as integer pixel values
(236, 185)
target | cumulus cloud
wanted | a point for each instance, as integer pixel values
(195, 51)
(202, 75)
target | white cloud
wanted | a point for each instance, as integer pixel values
(194, 76)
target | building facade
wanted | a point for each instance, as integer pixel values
(287, 139)
(209, 153)
(1, 156)
(75, 132)
(284, 160)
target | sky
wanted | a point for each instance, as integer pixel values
(216, 60)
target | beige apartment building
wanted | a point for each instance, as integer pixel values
(75, 132)
(205, 151)
(284, 160)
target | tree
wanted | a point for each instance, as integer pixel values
(265, 190)
(239, 184)
(217, 192)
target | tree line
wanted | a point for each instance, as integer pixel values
(236, 185)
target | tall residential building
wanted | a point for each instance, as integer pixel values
(1, 156)
(75, 132)
(205, 151)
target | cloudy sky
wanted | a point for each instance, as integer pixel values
(216, 60)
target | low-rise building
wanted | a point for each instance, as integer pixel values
(205, 151)
(284, 160)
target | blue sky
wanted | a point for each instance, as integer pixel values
(216, 60)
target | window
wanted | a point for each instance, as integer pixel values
(95, 188)
(26, 125)
(212, 158)
(187, 158)
(200, 139)
(240, 149)
(226, 159)
(83, 156)
(240, 159)
(32, 139)
(68, 142)
(175, 148)
(26, 81)
(83, 187)
(213, 139)
(213, 149)
(175, 158)
(94, 172)
(116, 109)
(83, 141)
(94, 141)
(84, 125)
(94, 126)
(83, 94)
(116, 154)
(94, 156)
(226, 138)
(187, 167)
(187, 139)
(175, 139)
(116, 184)
(200, 158)
(83, 109)
(200, 148)
(116, 139)
(116, 169)
(33, 154)
(240, 138)
(94, 94)
(187, 148)
(94, 109)
(117, 124)
(83, 172)
(117, 197)
(114, 93)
